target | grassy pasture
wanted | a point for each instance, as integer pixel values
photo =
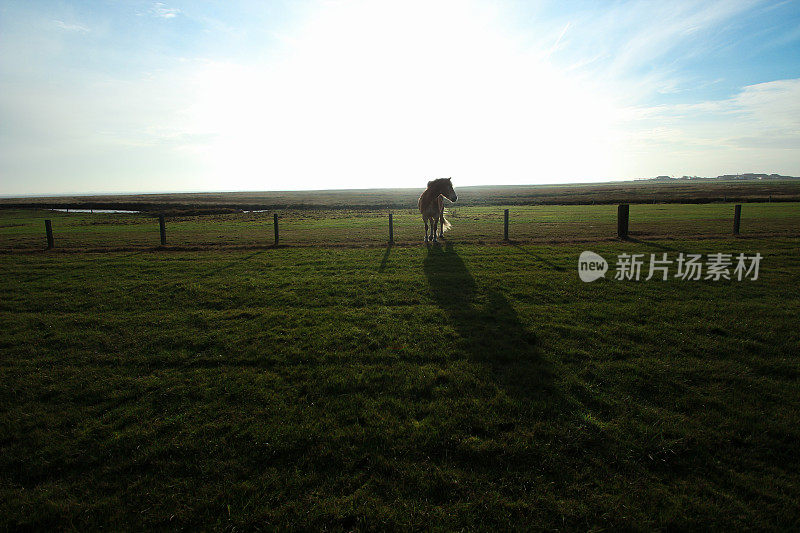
(24, 229)
(343, 387)
(680, 191)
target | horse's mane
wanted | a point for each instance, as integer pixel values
(436, 181)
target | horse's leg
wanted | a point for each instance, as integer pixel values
(426, 228)
(434, 225)
(441, 217)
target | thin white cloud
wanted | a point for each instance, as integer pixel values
(771, 106)
(73, 27)
(558, 40)
(758, 129)
(160, 9)
(638, 47)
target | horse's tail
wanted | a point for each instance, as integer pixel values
(445, 223)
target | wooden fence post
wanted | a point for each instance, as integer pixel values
(623, 211)
(391, 230)
(505, 225)
(737, 218)
(48, 226)
(162, 228)
(275, 223)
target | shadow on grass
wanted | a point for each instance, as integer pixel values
(490, 330)
(651, 244)
(385, 258)
(230, 264)
(539, 258)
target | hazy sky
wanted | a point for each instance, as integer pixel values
(239, 95)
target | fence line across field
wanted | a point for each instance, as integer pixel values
(623, 222)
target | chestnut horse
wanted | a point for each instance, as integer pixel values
(431, 205)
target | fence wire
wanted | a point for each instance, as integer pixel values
(479, 224)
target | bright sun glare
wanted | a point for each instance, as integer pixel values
(403, 92)
(320, 94)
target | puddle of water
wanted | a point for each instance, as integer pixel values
(94, 211)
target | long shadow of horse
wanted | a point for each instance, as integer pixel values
(490, 330)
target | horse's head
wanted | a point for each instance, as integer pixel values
(448, 191)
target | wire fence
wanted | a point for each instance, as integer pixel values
(479, 224)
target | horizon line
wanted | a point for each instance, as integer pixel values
(197, 191)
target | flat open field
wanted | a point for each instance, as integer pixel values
(703, 191)
(24, 229)
(470, 385)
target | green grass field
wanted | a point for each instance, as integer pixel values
(24, 229)
(472, 385)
